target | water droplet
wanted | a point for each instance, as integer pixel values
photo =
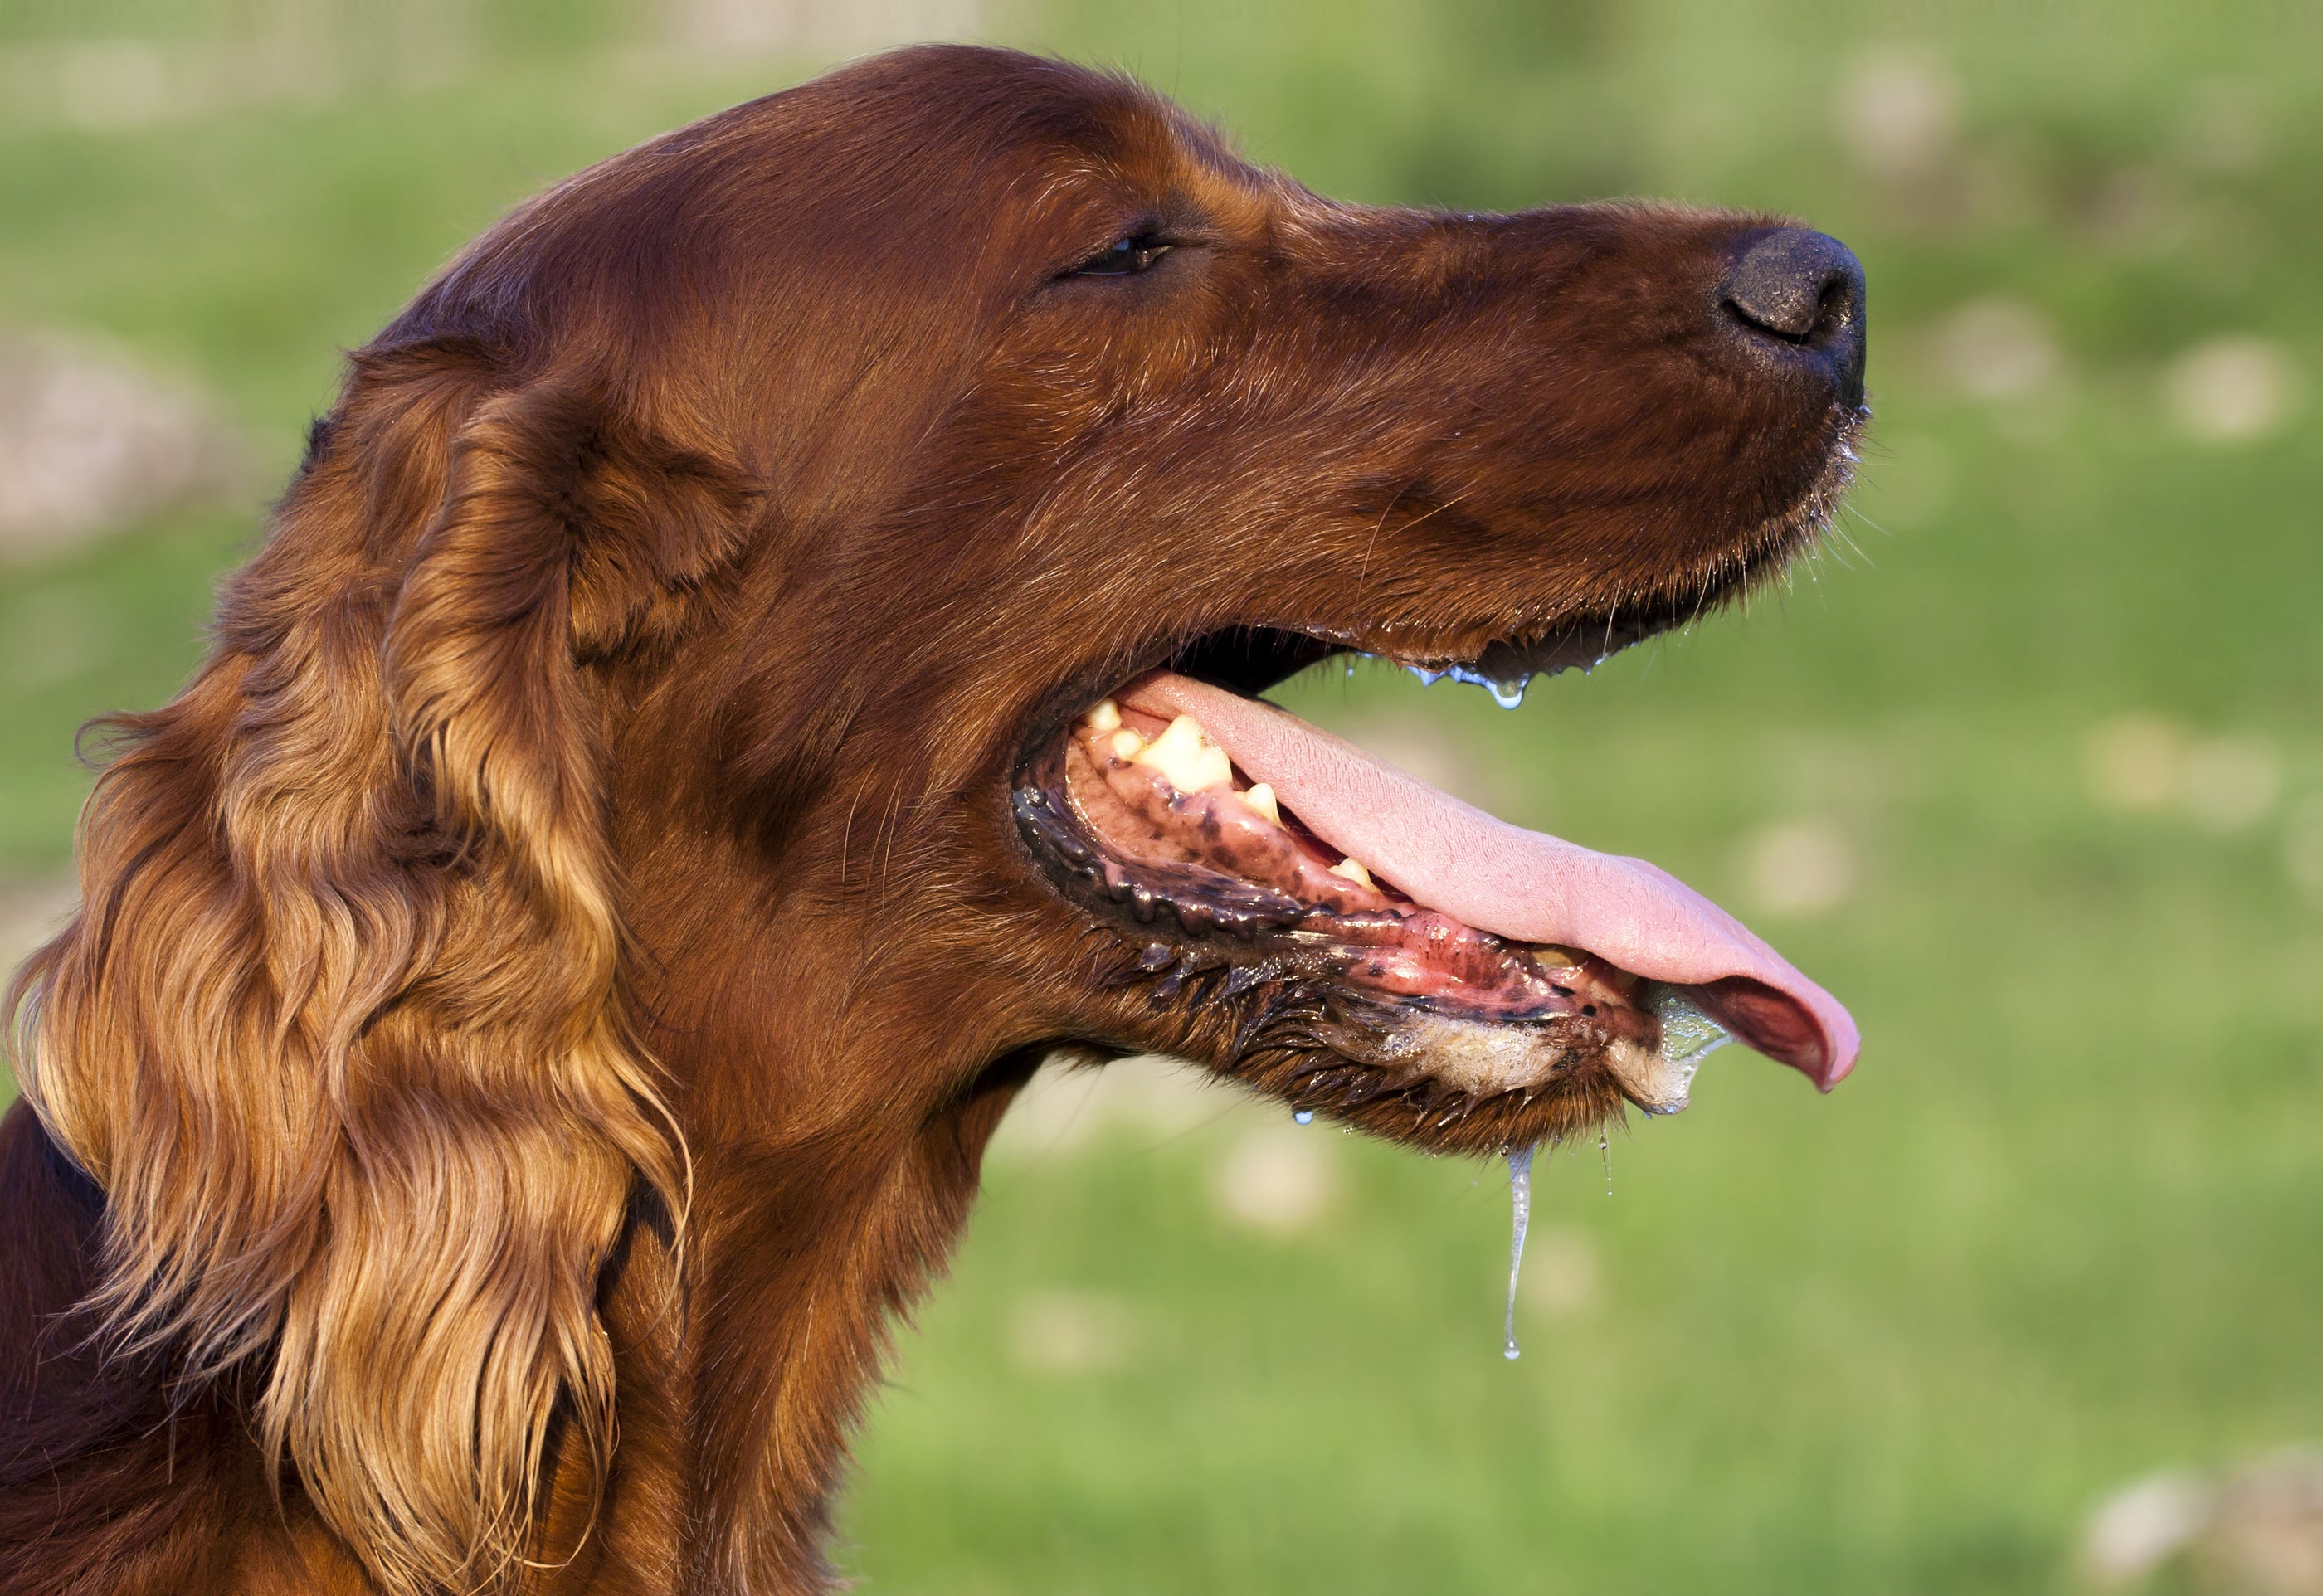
(1520, 1213)
(1428, 678)
(1507, 691)
(1304, 1116)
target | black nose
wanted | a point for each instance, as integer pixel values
(1794, 281)
(1804, 289)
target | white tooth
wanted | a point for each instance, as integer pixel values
(1262, 798)
(1106, 717)
(1127, 744)
(1188, 758)
(1352, 868)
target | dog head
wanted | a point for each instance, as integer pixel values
(1077, 414)
(760, 654)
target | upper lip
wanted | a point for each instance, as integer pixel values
(1252, 658)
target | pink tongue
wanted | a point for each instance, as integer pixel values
(1521, 884)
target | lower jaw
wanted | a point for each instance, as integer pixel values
(1335, 1013)
(1487, 1058)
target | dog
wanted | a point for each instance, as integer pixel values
(762, 653)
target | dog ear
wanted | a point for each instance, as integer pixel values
(340, 1029)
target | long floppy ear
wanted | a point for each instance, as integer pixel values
(340, 1028)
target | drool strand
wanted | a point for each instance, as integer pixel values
(1521, 1204)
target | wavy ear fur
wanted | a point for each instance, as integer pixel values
(340, 1029)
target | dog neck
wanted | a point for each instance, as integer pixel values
(748, 1340)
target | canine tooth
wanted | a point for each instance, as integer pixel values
(1127, 744)
(1262, 798)
(1106, 717)
(1352, 868)
(1186, 756)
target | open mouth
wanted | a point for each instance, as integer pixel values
(1449, 955)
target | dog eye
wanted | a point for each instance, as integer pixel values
(1125, 257)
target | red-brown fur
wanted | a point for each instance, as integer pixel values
(545, 987)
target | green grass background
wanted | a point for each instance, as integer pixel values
(2061, 1229)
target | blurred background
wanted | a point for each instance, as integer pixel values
(2027, 766)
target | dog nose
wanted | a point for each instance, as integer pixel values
(1805, 289)
(1793, 283)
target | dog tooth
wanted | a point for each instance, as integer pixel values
(1352, 869)
(1106, 717)
(1188, 758)
(1261, 798)
(1128, 745)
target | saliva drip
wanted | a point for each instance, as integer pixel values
(1688, 1037)
(1304, 1116)
(1605, 1152)
(1508, 694)
(1520, 1207)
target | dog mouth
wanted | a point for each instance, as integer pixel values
(1446, 952)
(1335, 931)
